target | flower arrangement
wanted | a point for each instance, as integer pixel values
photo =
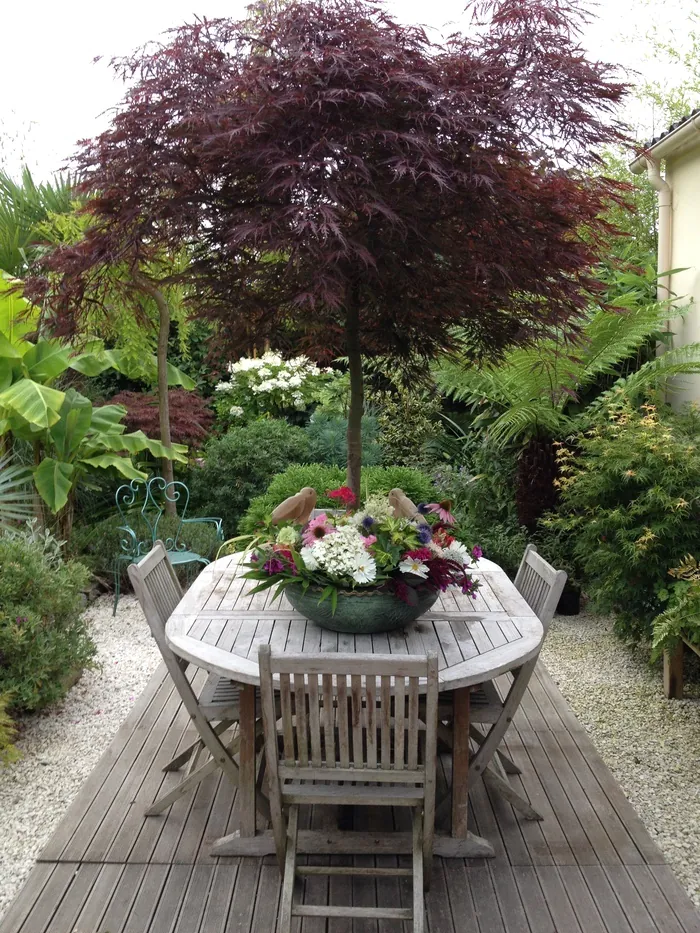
(365, 549)
(269, 385)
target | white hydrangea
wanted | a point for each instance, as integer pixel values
(236, 411)
(342, 554)
(377, 506)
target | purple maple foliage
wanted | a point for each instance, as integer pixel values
(343, 185)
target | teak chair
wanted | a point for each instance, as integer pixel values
(215, 710)
(541, 586)
(350, 734)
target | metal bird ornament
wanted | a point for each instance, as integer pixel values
(403, 507)
(296, 508)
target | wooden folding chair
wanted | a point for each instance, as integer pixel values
(215, 710)
(541, 586)
(349, 736)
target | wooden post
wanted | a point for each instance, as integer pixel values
(460, 762)
(673, 673)
(246, 786)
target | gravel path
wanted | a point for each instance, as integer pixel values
(61, 746)
(651, 744)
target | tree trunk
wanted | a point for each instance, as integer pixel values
(162, 357)
(537, 471)
(38, 507)
(64, 519)
(357, 400)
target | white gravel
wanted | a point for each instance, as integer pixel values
(651, 744)
(61, 746)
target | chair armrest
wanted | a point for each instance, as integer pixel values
(207, 520)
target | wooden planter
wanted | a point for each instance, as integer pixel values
(673, 669)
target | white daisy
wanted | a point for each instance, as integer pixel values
(365, 570)
(307, 555)
(414, 566)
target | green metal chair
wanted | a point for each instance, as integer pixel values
(141, 506)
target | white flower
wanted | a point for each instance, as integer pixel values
(414, 566)
(309, 558)
(365, 570)
(236, 411)
(288, 536)
(457, 551)
(223, 387)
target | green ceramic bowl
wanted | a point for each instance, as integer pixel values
(359, 612)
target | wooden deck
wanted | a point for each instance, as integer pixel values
(589, 867)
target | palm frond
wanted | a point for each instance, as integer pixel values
(15, 492)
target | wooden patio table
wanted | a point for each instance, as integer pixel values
(219, 626)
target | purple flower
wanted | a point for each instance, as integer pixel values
(273, 565)
(477, 552)
(367, 522)
(424, 534)
(423, 508)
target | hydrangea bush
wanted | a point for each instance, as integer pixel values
(269, 386)
(368, 548)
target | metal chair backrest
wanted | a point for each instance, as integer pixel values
(141, 506)
(349, 718)
(540, 584)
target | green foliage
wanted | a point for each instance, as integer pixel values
(483, 503)
(24, 206)
(43, 638)
(407, 419)
(417, 486)
(629, 507)
(682, 618)
(96, 544)
(239, 466)
(537, 391)
(8, 753)
(328, 441)
(15, 492)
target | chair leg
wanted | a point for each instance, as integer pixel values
(418, 880)
(503, 787)
(509, 766)
(185, 755)
(284, 924)
(117, 585)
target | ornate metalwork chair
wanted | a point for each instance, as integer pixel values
(141, 506)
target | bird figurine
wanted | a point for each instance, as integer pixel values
(296, 508)
(403, 507)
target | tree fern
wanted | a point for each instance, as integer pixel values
(529, 393)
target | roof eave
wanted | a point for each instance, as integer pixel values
(683, 137)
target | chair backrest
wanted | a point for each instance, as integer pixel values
(141, 506)
(158, 591)
(349, 718)
(540, 584)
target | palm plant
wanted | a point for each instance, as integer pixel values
(24, 206)
(536, 394)
(15, 492)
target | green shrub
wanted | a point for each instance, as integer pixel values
(629, 503)
(415, 484)
(97, 545)
(239, 466)
(483, 503)
(8, 752)
(328, 441)
(407, 420)
(43, 638)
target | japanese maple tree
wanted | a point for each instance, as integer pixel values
(346, 186)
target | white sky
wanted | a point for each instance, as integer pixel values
(53, 95)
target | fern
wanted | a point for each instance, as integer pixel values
(529, 393)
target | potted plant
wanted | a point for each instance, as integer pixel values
(363, 570)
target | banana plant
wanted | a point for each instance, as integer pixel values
(80, 443)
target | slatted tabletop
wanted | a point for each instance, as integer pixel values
(219, 626)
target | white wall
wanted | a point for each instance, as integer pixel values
(683, 173)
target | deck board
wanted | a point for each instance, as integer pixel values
(589, 867)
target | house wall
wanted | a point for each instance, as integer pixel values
(683, 173)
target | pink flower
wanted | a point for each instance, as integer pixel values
(477, 552)
(442, 510)
(369, 540)
(317, 528)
